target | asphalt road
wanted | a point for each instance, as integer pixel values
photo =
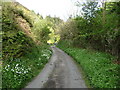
(60, 72)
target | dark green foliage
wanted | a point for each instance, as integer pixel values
(16, 45)
(14, 40)
(95, 29)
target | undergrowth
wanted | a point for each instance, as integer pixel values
(17, 72)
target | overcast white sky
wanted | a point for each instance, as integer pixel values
(58, 8)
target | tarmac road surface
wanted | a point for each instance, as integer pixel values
(60, 72)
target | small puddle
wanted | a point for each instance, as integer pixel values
(55, 78)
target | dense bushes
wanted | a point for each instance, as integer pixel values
(98, 28)
(22, 28)
(99, 67)
(14, 41)
(14, 45)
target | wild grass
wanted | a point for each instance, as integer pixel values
(98, 67)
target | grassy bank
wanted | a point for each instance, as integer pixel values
(17, 72)
(99, 68)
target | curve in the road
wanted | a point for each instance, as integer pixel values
(60, 72)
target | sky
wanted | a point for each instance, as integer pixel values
(58, 8)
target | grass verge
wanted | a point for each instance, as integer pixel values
(98, 67)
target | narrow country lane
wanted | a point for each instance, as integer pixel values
(60, 72)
